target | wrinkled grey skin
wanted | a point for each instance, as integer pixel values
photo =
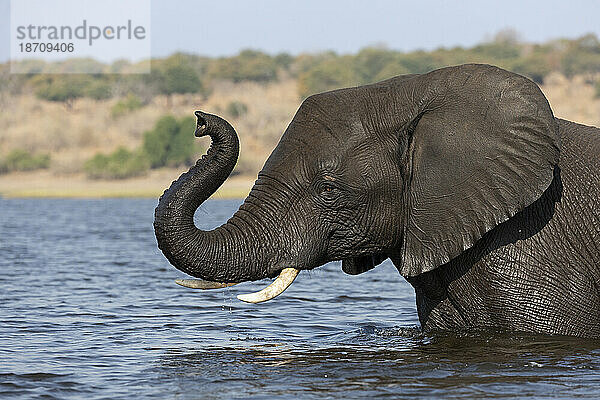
(483, 200)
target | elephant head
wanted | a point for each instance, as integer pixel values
(416, 168)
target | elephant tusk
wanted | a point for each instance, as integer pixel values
(202, 284)
(283, 281)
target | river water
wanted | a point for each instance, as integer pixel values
(89, 309)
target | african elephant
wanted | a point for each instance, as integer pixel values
(483, 200)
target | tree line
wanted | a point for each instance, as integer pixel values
(186, 73)
(169, 142)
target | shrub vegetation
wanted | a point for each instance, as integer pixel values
(126, 105)
(186, 73)
(236, 109)
(169, 143)
(21, 160)
(120, 164)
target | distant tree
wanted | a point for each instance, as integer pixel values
(370, 61)
(98, 89)
(65, 88)
(21, 160)
(181, 149)
(283, 60)
(179, 79)
(330, 74)
(60, 88)
(582, 56)
(78, 66)
(454, 56)
(175, 75)
(126, 105)
(236, 109)
(30, 66)
(304, 62)
(119, 66)
(157, 141)
(418, 62)
(390, 70)
(120, 164)
(588, 42)
(535, 66)
(170, 142)
(248, 65)
(497, 51)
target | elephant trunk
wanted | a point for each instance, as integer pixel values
(210, 255)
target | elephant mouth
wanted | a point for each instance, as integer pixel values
(285, 278)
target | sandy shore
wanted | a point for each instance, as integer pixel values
(48, 184)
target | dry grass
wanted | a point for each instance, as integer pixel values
(270, 109)
(73, 136)
(47, 184)
(573, 99)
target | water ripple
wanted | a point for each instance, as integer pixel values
(88, 308)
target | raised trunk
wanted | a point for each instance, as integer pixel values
(212, 255)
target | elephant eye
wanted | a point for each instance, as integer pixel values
(327, 187)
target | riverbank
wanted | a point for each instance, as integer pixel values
(48, 184)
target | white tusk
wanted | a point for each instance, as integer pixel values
(202, 284)
(283, 281)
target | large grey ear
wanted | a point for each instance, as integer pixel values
(483, 148)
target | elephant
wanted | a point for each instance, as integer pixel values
(484, 201)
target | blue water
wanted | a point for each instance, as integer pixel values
(89, 309)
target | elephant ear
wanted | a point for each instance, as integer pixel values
(483, 146)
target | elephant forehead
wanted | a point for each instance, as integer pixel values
(317, 139)
(307, 152)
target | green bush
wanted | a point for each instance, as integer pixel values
(126, 105)
(330, 74)
(60, 88)
(186, 73)
(171, 142)
(21, 160)
(305, 61)
(502, 50)
(98, 90)
(576, 61)
(390, 70)
(249, 65)
(181, 149)
(535, 67)
(180, 79)
(236, 109)
(66, 88)
(283, 60)
(157, 141)
(369, 63)
(175, 75)
(582, 56)
(418, 62)
(120, 164)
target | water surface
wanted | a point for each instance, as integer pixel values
(88, 309)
